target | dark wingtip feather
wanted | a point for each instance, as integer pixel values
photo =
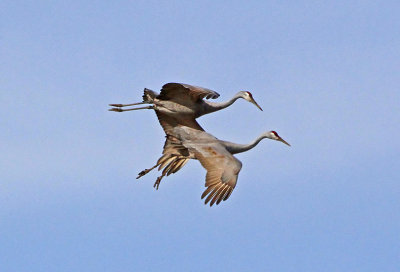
(207, 191)
(222, 194)
(228, 194)
(214, 193)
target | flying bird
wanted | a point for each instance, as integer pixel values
(215, 156)
(184, 101)
(177, 106)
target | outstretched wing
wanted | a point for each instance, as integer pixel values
(181, 93)
(175, 155)
(168, 123)
(222, 170)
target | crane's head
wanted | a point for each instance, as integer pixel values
(249, 97)
(274, 136)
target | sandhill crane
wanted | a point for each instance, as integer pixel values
(177, 106)
(184, 101)
(180, 104)
(215, 156)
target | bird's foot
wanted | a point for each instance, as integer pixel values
(157, 183)
(142, 173)
(116, 109)
(116, 105)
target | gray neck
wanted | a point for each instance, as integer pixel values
(213, 106)
(234, 148)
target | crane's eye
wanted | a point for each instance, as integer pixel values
(274, 132)
(249, 93)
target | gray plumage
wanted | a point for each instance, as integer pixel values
(215, 156)
(177, 106)
(184, 101)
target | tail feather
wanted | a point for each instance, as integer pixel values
(149, 95)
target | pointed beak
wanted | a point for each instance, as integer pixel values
(283, 141)
(255, 103)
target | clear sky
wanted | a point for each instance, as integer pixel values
(325, 72)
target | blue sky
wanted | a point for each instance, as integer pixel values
(326, 75)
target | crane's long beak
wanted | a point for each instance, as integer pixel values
(283, 141)
(255, 103)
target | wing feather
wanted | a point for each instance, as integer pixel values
(175, 165)
(165, 162)
(228, 194)
(179, 165)
(222, 167)
(213, 192)
(180, 92)
(168, 123)
(208, 190)
(217, 194)
(222, 195)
